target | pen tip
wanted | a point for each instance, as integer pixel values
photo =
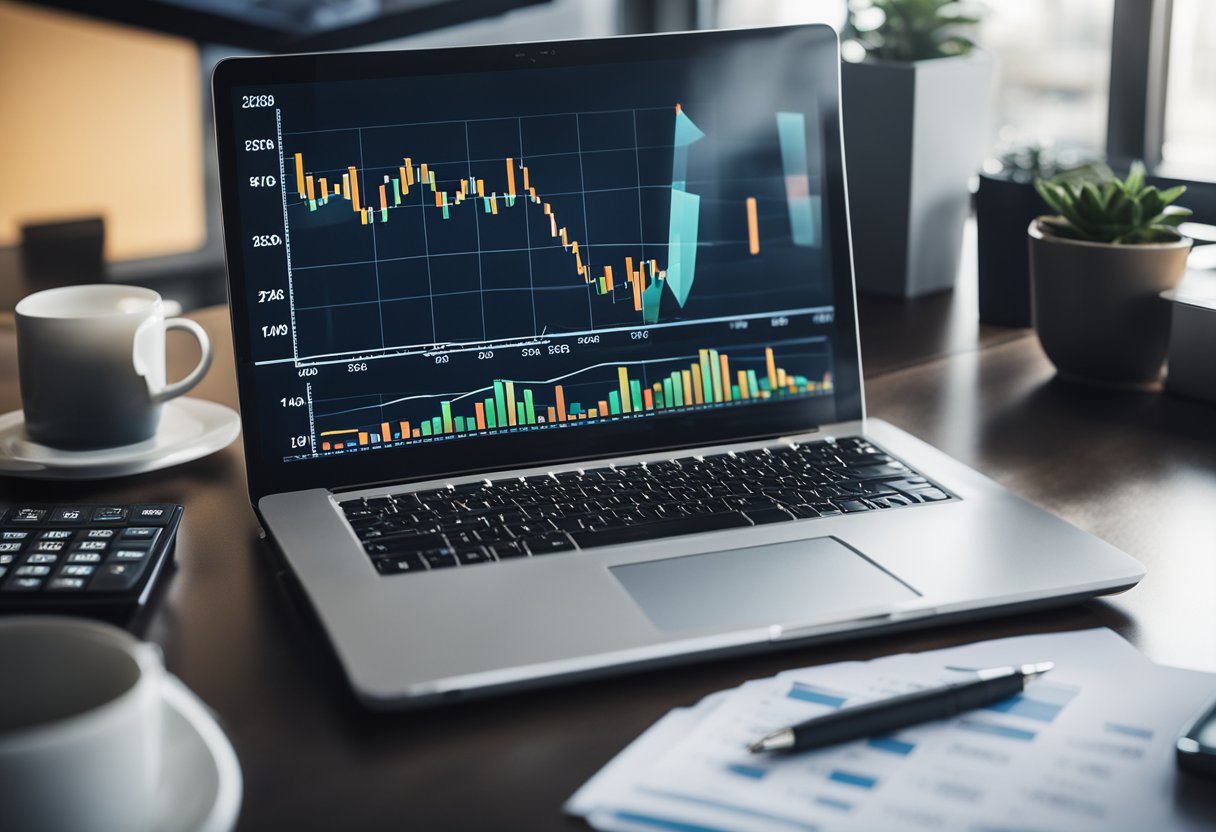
(776, 741)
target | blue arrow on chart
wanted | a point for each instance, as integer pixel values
(685, 212)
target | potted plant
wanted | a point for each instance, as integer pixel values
(914, 109)
(1097, 269)
(1005, 203)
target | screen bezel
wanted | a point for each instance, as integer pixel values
(438, 460)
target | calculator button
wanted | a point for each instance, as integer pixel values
(90, 545)
(127, 554)
(49, 546)
(56, 534)
(69, 514)
(76, 570)
(14, 535)
(6, 559)
(65, 584)
(42, 557)
(140, 533)
(116, 577)
(84, 557)
(109, 514)
(98, 534)
(16, 584)
(27, 515)
(153, 514)
(9, 546)
(32, 571)
(3, 571)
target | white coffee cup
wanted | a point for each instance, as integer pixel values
(80, 726)
(92, 363)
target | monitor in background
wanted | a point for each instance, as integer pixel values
(100, 120)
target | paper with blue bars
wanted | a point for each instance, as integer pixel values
(1088, 747)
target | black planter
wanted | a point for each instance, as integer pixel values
(1003, 209)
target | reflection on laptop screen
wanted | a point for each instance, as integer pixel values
(544, 249)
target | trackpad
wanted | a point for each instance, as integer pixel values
(780, 583)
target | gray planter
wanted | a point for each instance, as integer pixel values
(914, 134)
(1096, 306)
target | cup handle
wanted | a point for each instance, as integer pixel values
(187, 384)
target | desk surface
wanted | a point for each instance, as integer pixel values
(1135, 468)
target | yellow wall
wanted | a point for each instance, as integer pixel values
(97, 118)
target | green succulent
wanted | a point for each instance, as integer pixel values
(1121, 211)
(911, 30)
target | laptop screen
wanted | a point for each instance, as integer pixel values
(470, 259)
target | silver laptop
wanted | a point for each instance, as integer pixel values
(548, 367)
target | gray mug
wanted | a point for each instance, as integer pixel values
(92, 364)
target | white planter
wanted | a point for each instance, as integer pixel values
(914, 134)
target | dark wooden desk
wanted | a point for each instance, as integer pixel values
(1136, 468)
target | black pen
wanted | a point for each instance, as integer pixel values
(887, 715)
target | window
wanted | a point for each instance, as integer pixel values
(1189, 146)
(1052, 71)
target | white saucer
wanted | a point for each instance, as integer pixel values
(200, 789)
(189, 429)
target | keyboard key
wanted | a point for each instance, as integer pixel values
(84, 557)
(90, 546)
(439, 558)
(33, 571)
(16, 584)
(42, 557)
(128, 555)
(932, 495)
(508, 550)
(6, 559)
(152, 514)
(65, 584)
(10, 535)
(10, 547)
(109, 514)
(660, 529)
(49, 546)
(473, 554)
(98, 534)
(534, 528)
(117, 577)
(768, 515)
(56, 534)
(76, 570)
(140, 533)
(69, 514)
(27, 516)
(404, 543)
(399, 565)
(852, 506)
(556, 542)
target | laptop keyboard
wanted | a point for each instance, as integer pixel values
(501, 519)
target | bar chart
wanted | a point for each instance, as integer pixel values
(602, 392)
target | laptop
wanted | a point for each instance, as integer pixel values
(548, 367)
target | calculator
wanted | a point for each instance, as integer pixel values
(101, 560)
